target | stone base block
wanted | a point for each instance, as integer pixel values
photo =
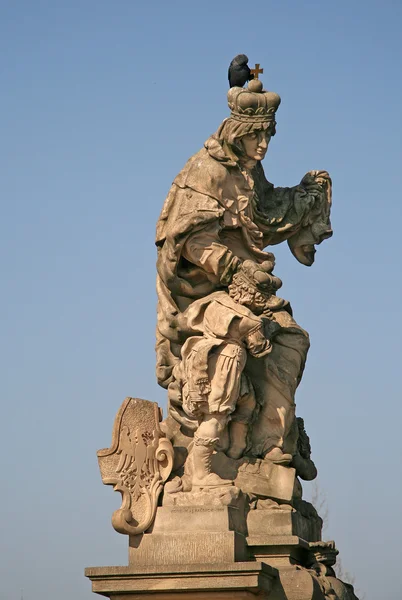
(255, 476)
(278, 550)
(299, 584)
(279, 521)
(241, 581)
(243, 595)
(191, 535)
(187, 547)
(181, 518)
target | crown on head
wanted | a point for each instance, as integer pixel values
(253, 104)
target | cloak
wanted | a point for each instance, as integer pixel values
(216, 215)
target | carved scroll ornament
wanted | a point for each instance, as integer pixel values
(137, 464)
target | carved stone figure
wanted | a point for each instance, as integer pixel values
(212, 498)
(228, 349)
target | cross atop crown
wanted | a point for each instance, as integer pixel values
(256, 71)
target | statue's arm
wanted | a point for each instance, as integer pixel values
(299, 214)
(204, 249)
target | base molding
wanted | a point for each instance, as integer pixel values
(241, 580)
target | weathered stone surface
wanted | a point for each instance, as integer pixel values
(262, 478)
(138, 462)
(323, 552)
(192, 535)
(267, 480)
(278, 550)
(242, 581)
(231, 452)
(299, 584)
(279, 521)
(200, 518)
(229, 351)
(195, 547)
(206, 595)
(220, 496)
(220, 581)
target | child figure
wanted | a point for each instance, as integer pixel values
(215, 388)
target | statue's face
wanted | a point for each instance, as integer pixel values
(255, 144)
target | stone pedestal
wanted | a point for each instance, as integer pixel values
(254, 539)
(224, 581)
(222, 550)
(191, 535)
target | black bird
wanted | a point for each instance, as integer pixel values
(239, 71)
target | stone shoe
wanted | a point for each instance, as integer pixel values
(278, 457)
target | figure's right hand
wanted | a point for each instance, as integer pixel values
(260, 275)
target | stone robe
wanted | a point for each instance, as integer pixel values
(216, 215)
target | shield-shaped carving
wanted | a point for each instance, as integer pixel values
(137, 464)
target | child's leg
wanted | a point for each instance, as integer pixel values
(225, 365)
(205, 439)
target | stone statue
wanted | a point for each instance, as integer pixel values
(228, 349)
(211, 496)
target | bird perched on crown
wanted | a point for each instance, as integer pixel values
(239, 71)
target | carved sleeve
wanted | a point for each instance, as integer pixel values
(282, 212)
(205, 249)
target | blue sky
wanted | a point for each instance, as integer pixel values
(102, 103)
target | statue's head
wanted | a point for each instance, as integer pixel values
(248, 130)
(317, 226)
